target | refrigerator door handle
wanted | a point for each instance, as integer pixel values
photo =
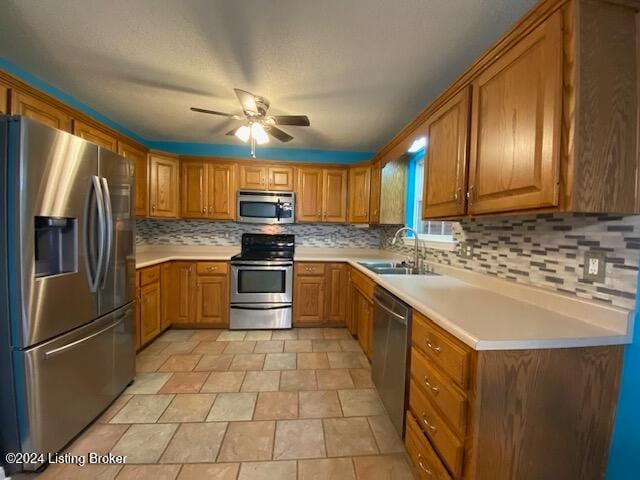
(108, 229)
(95, 189)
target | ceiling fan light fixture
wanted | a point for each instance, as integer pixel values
(258, 132)
(243, 133)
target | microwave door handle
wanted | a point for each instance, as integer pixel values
(108, 230)
(278, 210)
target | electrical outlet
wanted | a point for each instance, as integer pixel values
(594, 266)
(466, 250)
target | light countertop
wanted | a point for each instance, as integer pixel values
(486, 314)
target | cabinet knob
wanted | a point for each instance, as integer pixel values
(153, 206)
(210, 209)
(204, 209)
(470, 194)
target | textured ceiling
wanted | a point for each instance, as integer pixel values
(361, 69)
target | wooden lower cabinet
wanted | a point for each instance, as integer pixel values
(525, 414)
(150, 312)
(212, 294)
(320, 293)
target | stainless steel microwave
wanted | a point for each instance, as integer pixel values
(265, 207)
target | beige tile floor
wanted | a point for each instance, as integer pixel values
(294, 404)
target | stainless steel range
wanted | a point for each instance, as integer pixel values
(262, 282)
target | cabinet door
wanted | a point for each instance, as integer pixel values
(31, 107)
(359, 186)
(193, 189)
(280, 179)
(212, 299)
(334, 196)
(308, 303)
(516, 127)
(253, 178)
(150, 311)
(222, 191)
(182, 280)
(445, 162)
(167, 297)
(163, 186)
(309, 195)
(374, 196)
(138, 310)
(140, 159)
(94, 135)
(336, 310)
(4, 100)
(365, 324)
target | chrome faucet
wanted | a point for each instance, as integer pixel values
(416, 260)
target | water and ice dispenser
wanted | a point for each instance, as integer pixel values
(56, 246)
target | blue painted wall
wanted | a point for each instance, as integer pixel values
(195, 149)
(624, 457)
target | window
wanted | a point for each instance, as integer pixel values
(430, 231)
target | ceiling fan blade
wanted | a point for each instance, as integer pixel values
(277, 133)
(213, 112)
(233, 131)
(248, 101)
(294, 120)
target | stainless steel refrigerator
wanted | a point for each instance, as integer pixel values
(67, 282)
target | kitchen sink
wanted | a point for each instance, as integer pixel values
(393, 268)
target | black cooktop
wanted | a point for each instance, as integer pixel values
(261, 246)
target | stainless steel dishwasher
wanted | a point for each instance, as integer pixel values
(391, 334)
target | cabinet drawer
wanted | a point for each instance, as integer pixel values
(212, 268)
(363, 283)
(422, 455)
(309, 268)
(439, 389)
(447, 353)
(150, 275)
(444, 440)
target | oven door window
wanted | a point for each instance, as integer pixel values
(258, 209)
(261, 281)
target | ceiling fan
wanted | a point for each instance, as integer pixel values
(257, 124)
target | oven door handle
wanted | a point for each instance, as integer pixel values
(263, 266)
(245, 307)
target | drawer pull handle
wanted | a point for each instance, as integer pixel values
(426, 470)
(435, 348)
(430, 426)
(212, 269)
(434, 390)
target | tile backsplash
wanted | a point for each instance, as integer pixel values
(204, 232)
(547, 251)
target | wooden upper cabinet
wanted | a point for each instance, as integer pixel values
(140, 162)
(280, 178)
(4, 100)
(516, 125)
(95, 135)
(221, 180)
(374, 196)
(359, 194)
(309, 195)
(334, 195)
(445, 161)
(193, 189)
(253, 177)
(36, 109)
(275, 177)
(164, 189)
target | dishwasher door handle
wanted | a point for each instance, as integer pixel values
(391, 312)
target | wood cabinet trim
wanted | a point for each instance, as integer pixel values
(95, 135)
